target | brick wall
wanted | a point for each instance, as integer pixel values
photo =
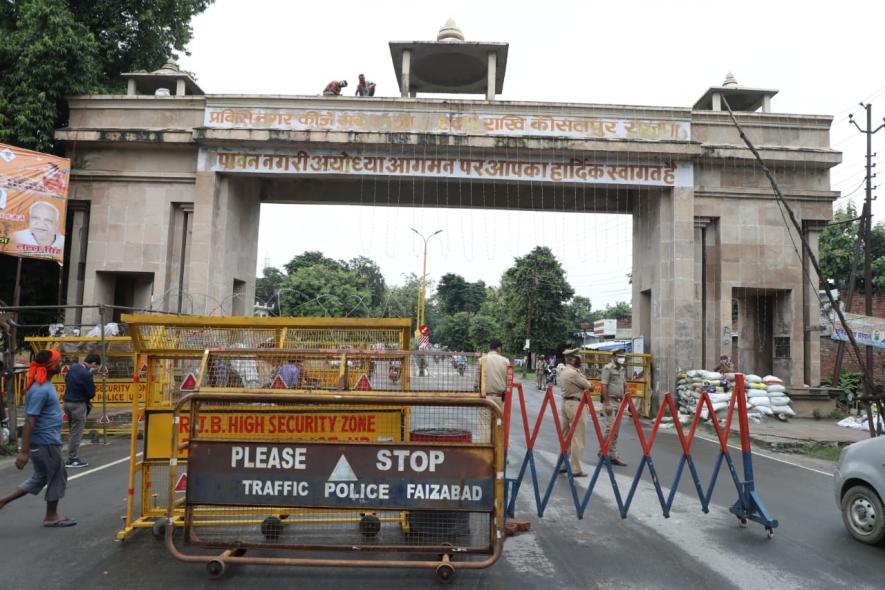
(828, 346)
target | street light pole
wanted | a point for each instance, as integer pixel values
(422, 300)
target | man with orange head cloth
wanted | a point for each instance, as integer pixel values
(41, 440)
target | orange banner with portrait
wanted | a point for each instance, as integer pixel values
(33, 199)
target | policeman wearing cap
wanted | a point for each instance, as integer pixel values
(614, 382)
(572, 383)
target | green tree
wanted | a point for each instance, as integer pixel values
(483, 329)
(837, 247)
(368, 275)
(310, 258)
(580, 311)
(535, 282)
(324, 290)
(455, 294)
(50, 49)
(453, 331)
(266, 286)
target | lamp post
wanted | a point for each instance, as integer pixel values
(421, 296)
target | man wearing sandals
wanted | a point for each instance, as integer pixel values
(41, 440)
(572, 383)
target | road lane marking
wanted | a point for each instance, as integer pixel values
(767, 456)
(99, 468)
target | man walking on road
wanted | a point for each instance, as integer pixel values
(493, 373)
(614, 381)
(79, 391)
(41, 440)
(573, 384)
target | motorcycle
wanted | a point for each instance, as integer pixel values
(549, 375)
(393, 373)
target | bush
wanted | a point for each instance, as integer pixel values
(849, 382)
(815, 413)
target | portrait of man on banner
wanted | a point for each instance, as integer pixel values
(33, 200)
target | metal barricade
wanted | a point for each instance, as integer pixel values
(638, 368)
(748, 507)
(438, 490)
(172, 351)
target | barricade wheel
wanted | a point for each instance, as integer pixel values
(770, 532)
(272, 528)
(370, 525)
(159, 530)
(445, 573)
(215, 568)
(743, 522)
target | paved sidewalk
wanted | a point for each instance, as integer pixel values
(800, 431)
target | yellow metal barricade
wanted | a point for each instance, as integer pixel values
(439, 490)
(638, 368)
(174, 352)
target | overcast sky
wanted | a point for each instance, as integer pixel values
(823, 57)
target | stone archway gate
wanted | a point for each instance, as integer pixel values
(166, 193)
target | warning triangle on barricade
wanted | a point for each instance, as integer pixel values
(363, 383)
(104, 420)
(141, 418)
(65, 369)
(64, 417)
(189, 383)
(103, 371)
(143, 369)
(278, 383)
(181, 484)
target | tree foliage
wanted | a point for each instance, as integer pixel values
(837, 248)
(580, 311)
(455, 294)
(50, 49)
(536, 281)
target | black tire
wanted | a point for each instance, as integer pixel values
(445, 573)
(370, 525)
(863, 514)
(215, 569)
(272, 528)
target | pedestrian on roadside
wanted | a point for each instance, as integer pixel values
(540, 365)
(614, 382)
(41, 440)
(365, 87)
(79, 391)
(573, 384)
(493, 373)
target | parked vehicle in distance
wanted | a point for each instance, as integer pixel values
(859, 483)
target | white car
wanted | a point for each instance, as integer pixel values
(859, 483)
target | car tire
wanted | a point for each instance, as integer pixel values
(863, 514)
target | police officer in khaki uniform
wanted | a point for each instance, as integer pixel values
(572, 383)
(493, 373)
(614, 383)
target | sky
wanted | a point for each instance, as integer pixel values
(823, 57)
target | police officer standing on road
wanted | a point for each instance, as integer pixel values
(79, 391)
(614, 382)
(540, 365)
(572, 383)
(493, 373)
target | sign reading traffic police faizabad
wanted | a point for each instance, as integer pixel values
(33, 196)
(323, 475)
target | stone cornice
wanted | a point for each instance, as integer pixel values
(792, 194)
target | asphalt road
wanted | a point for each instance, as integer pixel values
(689, 550)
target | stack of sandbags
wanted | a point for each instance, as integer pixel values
(767, 395)
(690, 385)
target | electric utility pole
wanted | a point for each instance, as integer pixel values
(867, 224)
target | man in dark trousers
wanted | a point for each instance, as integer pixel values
(41, 440)
(79, 391)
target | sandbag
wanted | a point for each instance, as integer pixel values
(751, 393)
(753, 379)
(775, 389)
(761, 386)
(692, 373)
(720, 397)
(772, 380)
(784, 410)
(780, 400)
(757, 402)
(712, 375)
(765, 410)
